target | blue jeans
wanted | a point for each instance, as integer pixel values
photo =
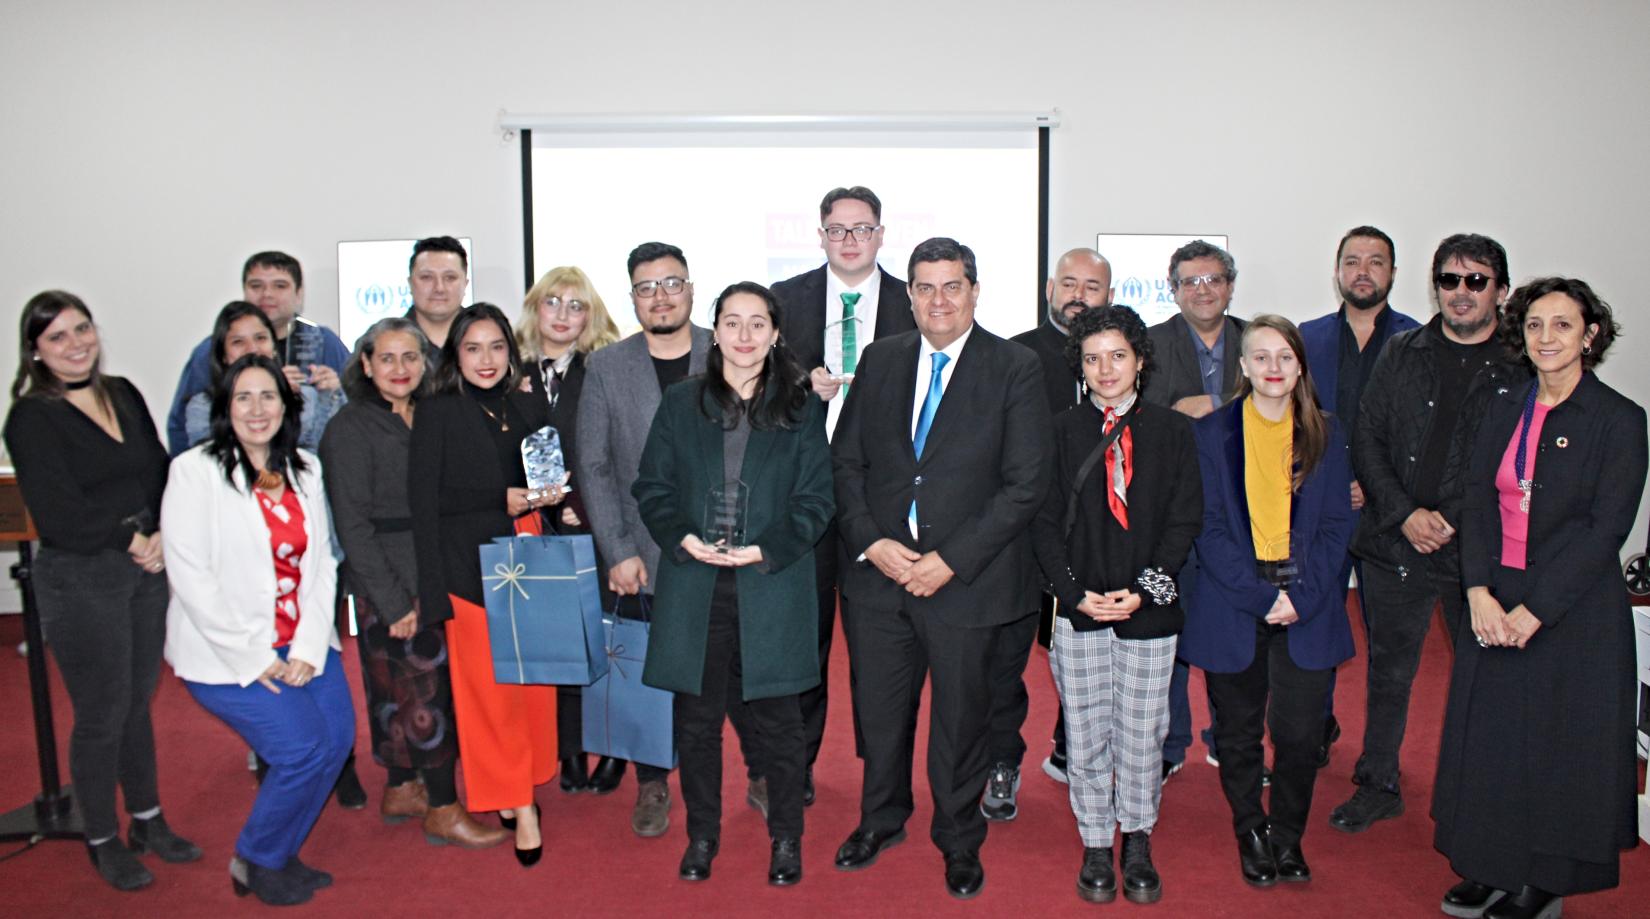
(304, 733)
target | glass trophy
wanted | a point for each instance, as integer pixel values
(835, 363)
(542, 458)
(727, 508)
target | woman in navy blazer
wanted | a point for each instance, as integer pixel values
(1268, 624)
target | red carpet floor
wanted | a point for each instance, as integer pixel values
(594, 865)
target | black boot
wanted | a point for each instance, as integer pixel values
(276, 888)
(1140, 881)
(1097, 882)
(154, 835)
(348, 790)
(575, 774)
(118, 865)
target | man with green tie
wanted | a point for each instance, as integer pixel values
(828, 316)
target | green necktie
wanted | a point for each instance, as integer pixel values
(850, 335)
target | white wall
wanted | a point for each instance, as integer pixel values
(150, 146)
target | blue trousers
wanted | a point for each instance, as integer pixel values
(304, 733)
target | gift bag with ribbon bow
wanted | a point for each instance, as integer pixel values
(623, 718)
(544, 614)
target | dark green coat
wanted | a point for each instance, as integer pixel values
(789, 477)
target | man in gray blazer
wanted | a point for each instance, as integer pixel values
(615, 412)
(1197, 372)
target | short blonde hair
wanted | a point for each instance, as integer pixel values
(599, 328)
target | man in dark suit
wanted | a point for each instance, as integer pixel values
(1341, 348)
(1081, 281)
(941, 460)
(828, 316)
(1197, 372)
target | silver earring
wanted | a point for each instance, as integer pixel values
(713, 341)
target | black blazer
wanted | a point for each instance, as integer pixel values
(982, 478)
(1176, 374)
(455, 489)
(802, 313)
(1059, 382)
(564, 416)
(1165, 515)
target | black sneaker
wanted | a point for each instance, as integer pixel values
(1002, 789)
(1367, 805)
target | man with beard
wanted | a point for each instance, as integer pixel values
(616, 410)
(1416, 427)
(1341, 349)
(1081, 281)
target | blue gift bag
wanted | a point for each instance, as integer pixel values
(622, 717)
(544, 615)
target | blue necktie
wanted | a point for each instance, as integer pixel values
(925, 420)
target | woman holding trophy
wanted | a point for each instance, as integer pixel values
(466, 486)
(736, 478)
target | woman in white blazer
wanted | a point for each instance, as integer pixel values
(250, 625)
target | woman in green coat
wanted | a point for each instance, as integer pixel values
(735, 486)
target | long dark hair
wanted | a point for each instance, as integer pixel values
(448, 378)
(232, 312)
(781, 391)
(225, 447)
(1311, 437)
(33, 378)
(357, 385)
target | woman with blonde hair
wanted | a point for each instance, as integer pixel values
(562, 320)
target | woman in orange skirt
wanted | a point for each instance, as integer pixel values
(466, 486)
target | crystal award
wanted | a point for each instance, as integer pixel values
(726, 510)
(541, 457)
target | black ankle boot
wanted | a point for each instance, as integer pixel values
(1140, 881)
(153, 835)
(1097, 881)
(274, 887)
(118, 865)
(347, 790)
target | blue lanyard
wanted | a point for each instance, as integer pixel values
(1523, 438)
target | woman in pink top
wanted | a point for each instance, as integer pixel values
(1535, 787)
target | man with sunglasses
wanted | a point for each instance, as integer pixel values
(1416, 426)
(1341, 349)
(828, 316)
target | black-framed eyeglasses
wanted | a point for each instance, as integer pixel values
(1449, 280)
(571, 306)
(671, 285)
(836, 232)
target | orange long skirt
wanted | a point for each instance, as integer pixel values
(506, 733)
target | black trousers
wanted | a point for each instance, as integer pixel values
(777, 741)
(1398, 614)
(1009, 700)
(889, 650)
(1276, 693)
(104, 620)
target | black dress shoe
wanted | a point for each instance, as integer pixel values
(696, 860)
(1469, 899)
(1140, 881)
(1529, 903)
(117, 865)
(808, 787)
(1097, 882)
(313, 878)
(605, 778)
(785, 864)
(1292, 867)
(1260, 869)
(575, 774)
(275, 888)
(863, 846)
(964, 875)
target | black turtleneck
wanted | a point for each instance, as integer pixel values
(496, 410)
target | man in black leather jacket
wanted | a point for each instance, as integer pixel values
(1416, 427)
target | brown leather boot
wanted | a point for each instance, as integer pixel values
(453, 824)
(409, 799)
